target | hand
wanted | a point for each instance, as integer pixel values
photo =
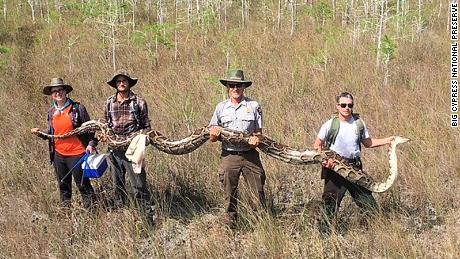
(329, 163)
(90, 149)
(35, 131)
(214, 133)
(390, 139)
(254, 141)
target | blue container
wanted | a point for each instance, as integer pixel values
(94, 165)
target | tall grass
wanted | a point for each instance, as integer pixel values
(295, 78)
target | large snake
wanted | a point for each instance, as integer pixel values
(267, 145)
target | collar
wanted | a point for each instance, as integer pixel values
(131, 96)
(66, 104)
(229, 103)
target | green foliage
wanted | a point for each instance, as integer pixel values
(4, 50)
(139, 38)
(152, 33)
(388, 48)
(92, 9)
(320, 11)
(209, 19)
(320, 59)
(4, 54)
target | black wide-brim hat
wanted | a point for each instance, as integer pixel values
(113, 83)
(57, 82)
(237, 77)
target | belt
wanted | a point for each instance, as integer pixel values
(353, 161)
(237, 153)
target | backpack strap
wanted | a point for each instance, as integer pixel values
(136, 111)
(75, 114)
(333, 131)
(360, 126)
(108, 104)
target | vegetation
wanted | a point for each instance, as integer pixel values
(391, 54)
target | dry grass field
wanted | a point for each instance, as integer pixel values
(393, 57)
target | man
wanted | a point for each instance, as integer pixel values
(344, 134)
(242, 114)
(64, 116)
(126, 113)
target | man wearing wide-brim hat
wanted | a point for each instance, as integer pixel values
(57, 82)
(65, 154)
(242, 114)
(126, 113)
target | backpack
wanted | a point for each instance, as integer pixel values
(335, 126)
(134, 106)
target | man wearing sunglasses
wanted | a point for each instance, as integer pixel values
(242, 114)
(344, 133)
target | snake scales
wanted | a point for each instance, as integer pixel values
(267, 145)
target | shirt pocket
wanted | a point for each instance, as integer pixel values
(226, 121)
(248, 122)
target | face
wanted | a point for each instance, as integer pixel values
(122, 83)
(345, 106)
(58, 93)
(235, 90)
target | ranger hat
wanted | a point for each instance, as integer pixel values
(236, 76)
(57, 82)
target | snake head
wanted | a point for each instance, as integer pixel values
(399, 140)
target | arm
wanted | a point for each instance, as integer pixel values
(256, 138)
(214, 132)
(375, 142)
(319, 144)
(36, 131)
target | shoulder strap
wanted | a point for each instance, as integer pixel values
(75, 114)
(136, 111)
(333, 131)
(360, 125)
(108, 104)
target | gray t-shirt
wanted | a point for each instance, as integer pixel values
(346, 143)
(245, 117)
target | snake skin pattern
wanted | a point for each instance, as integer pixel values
(267, 145)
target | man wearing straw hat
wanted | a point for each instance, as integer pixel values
(64, 116)
(242, 114)
(126, 113)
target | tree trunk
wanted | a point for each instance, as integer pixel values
(4, 10)
(176, 42)
(31, 4)
(279, 15)
(242, 14)
(293, 16)
(379, 34)
(114, 63)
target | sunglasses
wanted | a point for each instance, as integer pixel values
(235, 86)
(57, 90)
(344, 105)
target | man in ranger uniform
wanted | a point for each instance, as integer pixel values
(242, 114)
